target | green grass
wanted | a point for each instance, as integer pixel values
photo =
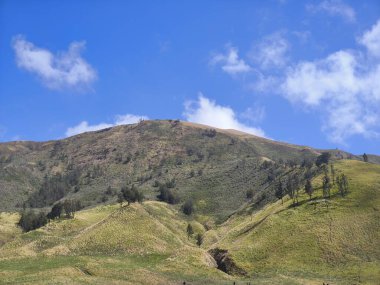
(339, 244)
(148, 244)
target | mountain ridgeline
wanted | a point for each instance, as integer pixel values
(216, 169)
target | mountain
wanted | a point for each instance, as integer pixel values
(242, 232)
(215, 168)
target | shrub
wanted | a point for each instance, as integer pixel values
(188, 207)
(323, 159)
(29, 220)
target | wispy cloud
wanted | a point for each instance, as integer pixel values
(57, 71)
(207, 112)
(343, 87)
(371, 40)
(254, 114)
(334, 8)
(230, 61)
(84, 126)
(271, 52)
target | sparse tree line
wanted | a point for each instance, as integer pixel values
(292, 184)
(31, 219)
(53, 189)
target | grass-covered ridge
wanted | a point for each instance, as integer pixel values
(336, 240)
(147, 243)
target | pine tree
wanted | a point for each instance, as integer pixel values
(199, 239)
(188, 207)
(326, 185)
(189, 231)
(309, 188)
(332, 173)
(280, 192)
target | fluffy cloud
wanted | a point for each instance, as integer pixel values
(335, 8)
(62, 70)
(371, 40)
(230, 62)
(83, 127)
(271, 51)
(207, 112)
(343, 87)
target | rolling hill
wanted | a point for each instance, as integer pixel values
(244, 238)
(335, 241)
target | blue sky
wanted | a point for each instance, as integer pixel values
(301, 72)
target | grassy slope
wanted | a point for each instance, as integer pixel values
(147, 244)
(138, 244)
(339, 244)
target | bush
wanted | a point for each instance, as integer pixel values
(249, 194)
(323, 159)
(29, 220)
(168, 195)
(188, 207)
(131, 195)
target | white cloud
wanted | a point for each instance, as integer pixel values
(271, 51)
(83, 126)
(254, 114)
(335, 8)
(207, 112)
(59, 71)
(343, 88)
(371, 40)
(230, 62)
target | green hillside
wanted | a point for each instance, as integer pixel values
(147, 243)
(215, 168)
(336, 240)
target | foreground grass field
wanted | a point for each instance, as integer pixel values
(335, 241)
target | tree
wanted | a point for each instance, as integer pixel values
(188, 207)
(365, 157)
(326, 186)
(332, 173)
(280, 192)
(249, 194)
(290, 189)
(29, 220)
(309, 188)
(70, 207)
(189, 231)
(199, 239)
(120, 199)
(56, 211)
(168, 195)
(342, 182)
(323, 159)
(131, 195)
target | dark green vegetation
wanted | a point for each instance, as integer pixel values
(232, 208)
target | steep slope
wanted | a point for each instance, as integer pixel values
(214, 168)
(335, 241)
